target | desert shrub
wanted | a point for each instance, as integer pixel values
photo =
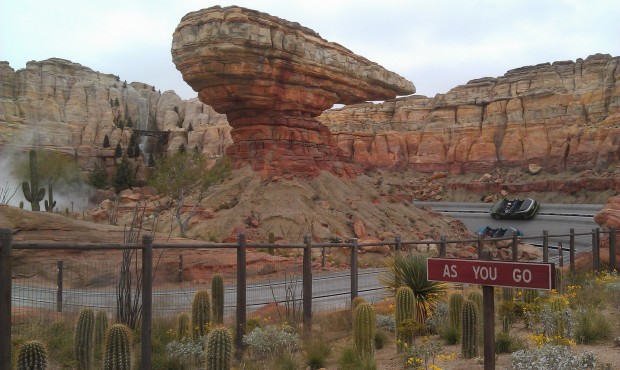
(386, 322)
(422, 354)
(285, 361)
(505, 343)
(551, 357)
(381, 338)
(591, 326)
(317, 350)
(186, 350)
(272, 341)
(351, 359)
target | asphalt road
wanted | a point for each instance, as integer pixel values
(332, 290)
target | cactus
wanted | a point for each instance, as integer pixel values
(217, 298)
(83, 341)
(183, 326)
(356, 302)
(101, 326)
(455, 303)
(49, 207)
(218, 350)
(32, 356)
(32, 192)
(21, 204)
(117, 354)
(476, 297)
(530, 295)
(364, 329)
(405, 302)
(201, 314)
(507, 294)
(469, 330)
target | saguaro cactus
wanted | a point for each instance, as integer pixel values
(32, 192)
(183, 326)
(117, 355)
(49, 206)
(356, 302)
(455, 303)
(476, 297)
(469, 330)
(101, 326)
(364, 328)
(218, 350)
(83, 341)
(404, 315)
(32, 356)
(201, 314)
(217, 298)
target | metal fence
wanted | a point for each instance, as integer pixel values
(60, 289)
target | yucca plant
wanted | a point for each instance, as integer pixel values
(410, 270)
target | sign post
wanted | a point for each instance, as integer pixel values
(490, 274)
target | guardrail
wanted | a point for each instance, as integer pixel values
(147, 246)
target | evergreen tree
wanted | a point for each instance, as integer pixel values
(151, 161)
(182, 149)
(116, 102)
(190, 128)
(124, 177)
(128, 122)
(98, 177)
(106, 141)
(118, 151)
(131, 148)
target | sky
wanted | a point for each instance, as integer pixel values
(436, 44)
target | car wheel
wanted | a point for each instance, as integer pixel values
(495, 216)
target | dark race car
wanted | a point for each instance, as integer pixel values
(515, 209)
(498, 232)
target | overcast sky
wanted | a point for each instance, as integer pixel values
(436, 44)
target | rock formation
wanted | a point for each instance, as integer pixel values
(272, 78)
(562, 116)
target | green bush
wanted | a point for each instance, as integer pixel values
(591, 326)
(317, 350)
(350, 359)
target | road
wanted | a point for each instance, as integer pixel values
(331, 290)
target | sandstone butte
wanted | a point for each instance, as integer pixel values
(272, 78)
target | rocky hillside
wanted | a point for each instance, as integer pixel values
(562, 116)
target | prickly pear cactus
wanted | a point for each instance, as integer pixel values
(217, 298)
(32, 356)
(32, 192)
(218, 350)
(117, 354)
(183, 326)
(201, 314)
(83, 341)
(364, 328)
(469, 330)
(405, 301)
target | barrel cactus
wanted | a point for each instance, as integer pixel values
(217, 298)
(183, 326)
(469, 330)
(32, 356)
(218, 351)
(201, 314)
(404, 315)
(476, 297)
(32, 192)
(455, 303)
(101, 326)
(117, 354)
(83, 341)
(364, 328)
(356, 302)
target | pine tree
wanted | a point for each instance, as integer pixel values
(190, 128)
(124, 177)
(106, 141)
(182, 149)
(131, 148)
(118, 151)
(98, 176)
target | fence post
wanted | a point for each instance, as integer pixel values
(59, 286)
(443, 246)
(180, 268)
(241, 294)
(6, 245)
(354, 276)
(571, 252)
(397, 244)
(560, 254)
(307, 285)
(515, 246)
(595, 250)
(147, 301)
(612, 249)
(480, 245)
(545, 246)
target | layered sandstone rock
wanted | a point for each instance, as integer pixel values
(272, 78)
(63, 106)
(562, 116)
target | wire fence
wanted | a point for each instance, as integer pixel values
(288, 278)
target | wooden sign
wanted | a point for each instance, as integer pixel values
(492, 273)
